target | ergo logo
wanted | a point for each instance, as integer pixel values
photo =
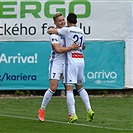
(7, 8)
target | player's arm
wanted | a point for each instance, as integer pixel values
(60, 49)
(62, 31)
(52, 31)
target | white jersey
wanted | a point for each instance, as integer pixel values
(73, 70)
(56, 60)
(73, 34)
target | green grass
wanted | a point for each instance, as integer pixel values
(112, 114)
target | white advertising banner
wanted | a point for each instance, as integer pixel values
(27, 20)
(128, 37)
(129, 64)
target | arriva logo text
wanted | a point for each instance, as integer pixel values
(10, 9)
(102, 75)
(18, 59)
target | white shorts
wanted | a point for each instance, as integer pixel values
(55, 72)
(73, 74)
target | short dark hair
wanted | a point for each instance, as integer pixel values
(72, 18)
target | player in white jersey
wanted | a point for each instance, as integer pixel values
(74, 61)
(73, 71)
(55, 63)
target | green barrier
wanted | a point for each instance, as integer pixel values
(24, 65)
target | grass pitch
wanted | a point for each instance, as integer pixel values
(112, 114)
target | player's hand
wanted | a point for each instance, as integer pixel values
(83, 47)
(75, 46)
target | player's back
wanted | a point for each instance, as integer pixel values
(73, 34)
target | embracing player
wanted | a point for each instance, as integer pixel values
(55, 63)
(73, 70)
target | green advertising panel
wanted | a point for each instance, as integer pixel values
(24, 65)
(104, 65)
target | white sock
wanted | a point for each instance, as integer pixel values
(70, 102)
(46, 98)
(85, 98)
